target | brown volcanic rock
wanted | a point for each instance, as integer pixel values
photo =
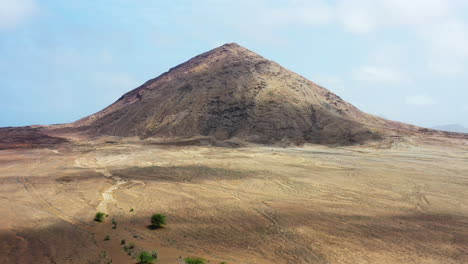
(233, 92)
(27, 137)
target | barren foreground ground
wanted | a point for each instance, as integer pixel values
(401, 204)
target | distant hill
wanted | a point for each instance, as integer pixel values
(452, 128)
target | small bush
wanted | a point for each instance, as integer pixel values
(195, 261)
(158, 220)
(146, 258)
(122, 242)
(99, 217)
(128, 247)
(107, 238)
(131, 210)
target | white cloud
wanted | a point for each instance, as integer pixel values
(447, 68)
(359, 16)
(449, 38)
(384, 65)
(447, 48)
(439, 25)
(366, 16)
(420, 100)
(300, 12)
(416, 12)
(15, 12)
(378, 74)
(261, 20)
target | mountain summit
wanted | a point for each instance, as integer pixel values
(232, 92)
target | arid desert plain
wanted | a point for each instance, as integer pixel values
(396, 201)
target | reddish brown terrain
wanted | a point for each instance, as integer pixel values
(250, 163)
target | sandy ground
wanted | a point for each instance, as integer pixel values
(315, 204)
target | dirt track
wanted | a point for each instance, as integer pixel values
(405, 204)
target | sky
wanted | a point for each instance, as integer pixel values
(399, 59)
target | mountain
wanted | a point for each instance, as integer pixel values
(232, 92)
(452, 128)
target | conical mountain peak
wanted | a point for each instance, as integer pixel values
(232, 92)
(232, 49)
(231, 46)
(222, 56)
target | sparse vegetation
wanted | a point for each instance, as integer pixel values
(131, 210)
(107, 237)
(114, 223)
(195, 261)
(128, 247)
(122, 242)
(99, 217)
(158, 220)
(146, 258)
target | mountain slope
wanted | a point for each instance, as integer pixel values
(231, 92)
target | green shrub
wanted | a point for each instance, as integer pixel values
(107, 238)
(99, 217)
(194, 261)
(146, 258)
(158, 220)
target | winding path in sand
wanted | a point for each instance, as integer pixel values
(108, 195)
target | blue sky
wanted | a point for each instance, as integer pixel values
(399, 59)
